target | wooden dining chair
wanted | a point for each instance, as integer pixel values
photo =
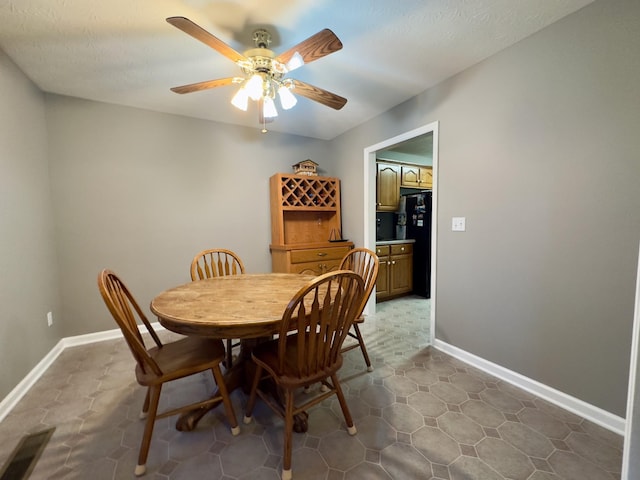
(218, 262)
(308, 350)
(162, 363)
(365, 263)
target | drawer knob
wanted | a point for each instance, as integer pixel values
(322, 254)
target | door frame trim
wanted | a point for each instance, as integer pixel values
(632, 425)
(369, 213)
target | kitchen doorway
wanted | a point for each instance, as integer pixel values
(370, 155)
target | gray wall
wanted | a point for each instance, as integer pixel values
(28, 267)
(141, 193)
(539, 150)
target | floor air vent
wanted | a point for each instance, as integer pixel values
(26, 454)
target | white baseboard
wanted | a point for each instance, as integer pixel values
(14, 396)
(11, 400)
(590, 412)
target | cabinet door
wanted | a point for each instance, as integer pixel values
(410, 176)
(315, 268)
(331, 266)
(401, 274)
(413, 176)
(388, 187)
(382, 283)
(308, 268)
(426, 177)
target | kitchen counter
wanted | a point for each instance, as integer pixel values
(394, 242)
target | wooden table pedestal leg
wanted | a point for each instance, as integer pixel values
(240, 376)
(234, 378)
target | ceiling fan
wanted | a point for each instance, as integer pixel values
(265, 72)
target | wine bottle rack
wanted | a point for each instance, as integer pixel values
(297, 191)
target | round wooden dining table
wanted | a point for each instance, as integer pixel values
(248, 307)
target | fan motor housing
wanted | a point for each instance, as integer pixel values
(263, 61)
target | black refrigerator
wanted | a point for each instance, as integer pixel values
(418, 218)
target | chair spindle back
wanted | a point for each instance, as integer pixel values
(321, 314)
(215, 262)
(122, 306)
(365, 263)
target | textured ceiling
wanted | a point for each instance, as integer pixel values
(124, 52)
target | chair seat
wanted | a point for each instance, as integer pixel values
(181, 355)
(266, 354)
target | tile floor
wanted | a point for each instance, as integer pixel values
(420, 415)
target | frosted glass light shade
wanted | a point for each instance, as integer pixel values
(287, 99)
(240, 99)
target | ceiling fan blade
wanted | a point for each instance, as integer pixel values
(196, 87)
(199, 33)
(318, 95)
(316, 46)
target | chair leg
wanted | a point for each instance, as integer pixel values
(362, 347)
(154, 398)
(145, 406)
(343, 405)
(222, 389)
(229, 356)
(252, 396)
(288, 434)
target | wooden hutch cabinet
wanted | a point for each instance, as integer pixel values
(305, 213)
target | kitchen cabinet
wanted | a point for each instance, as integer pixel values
(387, 187)
(305, 214)
(414, 176)
(395, 274)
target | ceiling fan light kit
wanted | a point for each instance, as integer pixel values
(264, 72)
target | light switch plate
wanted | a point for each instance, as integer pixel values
(458, 224)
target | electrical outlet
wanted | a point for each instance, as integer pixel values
(50, 318)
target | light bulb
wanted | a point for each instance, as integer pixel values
(269, 108)
(240, 99)
(287, 99)
(254, 87)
